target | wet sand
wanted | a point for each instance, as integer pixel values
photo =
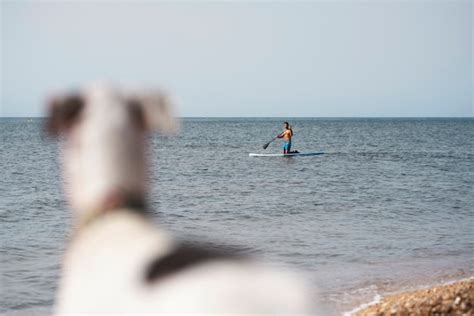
(450, 299)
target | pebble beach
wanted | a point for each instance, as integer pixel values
(450, 299)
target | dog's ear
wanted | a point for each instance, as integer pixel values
(64, 112)
(154, 111)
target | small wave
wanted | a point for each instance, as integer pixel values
(30, 311)
(377, 298)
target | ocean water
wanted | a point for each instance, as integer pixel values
(389, 206)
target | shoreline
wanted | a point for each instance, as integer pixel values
(449, 298)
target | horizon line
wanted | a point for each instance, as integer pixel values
(275, 117)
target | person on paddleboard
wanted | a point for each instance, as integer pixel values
(286, 135)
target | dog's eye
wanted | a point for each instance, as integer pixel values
(64, 113)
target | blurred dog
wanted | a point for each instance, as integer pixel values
(117, 262)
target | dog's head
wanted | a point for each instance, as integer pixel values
(104, 154)
(145, 110)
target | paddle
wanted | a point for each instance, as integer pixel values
(266, 145)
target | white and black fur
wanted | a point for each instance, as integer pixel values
(117, 261)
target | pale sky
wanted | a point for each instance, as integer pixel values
(245, 59)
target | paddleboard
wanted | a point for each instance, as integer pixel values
(286, 155)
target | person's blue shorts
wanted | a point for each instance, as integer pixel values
(287, 146)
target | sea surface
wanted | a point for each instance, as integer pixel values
(389, 206)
